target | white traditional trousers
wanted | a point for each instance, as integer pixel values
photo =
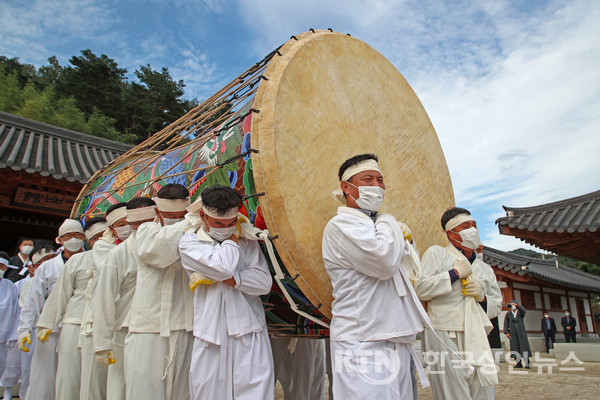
(18, 365)
(116, 372)
(449, 378)
(240, 368)
(377, 370)
(93, 375)
(68, 372)
(158, 367)
(43, 369)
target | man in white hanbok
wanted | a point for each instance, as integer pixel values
(93, 374)
(9, 313)
(158, 345)
(65, 307)
(232, 356)
(462, 296)
(18, 363)
(116, 283)
(45, 358)
(376, 314)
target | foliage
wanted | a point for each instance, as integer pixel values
(92, 95)
(569, 262)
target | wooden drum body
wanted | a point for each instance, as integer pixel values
(278, 134)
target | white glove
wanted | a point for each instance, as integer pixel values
(463, 267)
(406, 232)
(43, 334)
(198, 278)
(105, 357)
(474, 289)
(25, 337)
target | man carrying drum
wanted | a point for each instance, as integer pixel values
(376, 314)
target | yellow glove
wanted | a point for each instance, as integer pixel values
(105, 357)
(474, 289)
(406, 232)
(25, 337)
(43, 334)
(198, 278)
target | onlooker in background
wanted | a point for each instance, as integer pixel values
(514, 329)
(548, 330)
(569, 323)
(20, 261)
(9, 312)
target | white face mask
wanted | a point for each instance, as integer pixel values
(546, 316)
(171, 221)
(26, 250)
(123, 232)
(513, 308)
(73, 245)
(221, 234)
(567, 314)
(470, 238)
(369, 197)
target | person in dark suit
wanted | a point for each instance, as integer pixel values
(514, 329)
(20, 261)
(569, 323)
(548, 330)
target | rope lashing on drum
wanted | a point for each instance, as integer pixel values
(279, 277)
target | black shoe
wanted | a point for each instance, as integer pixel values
(519, 365)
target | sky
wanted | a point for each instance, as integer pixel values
(511, 87)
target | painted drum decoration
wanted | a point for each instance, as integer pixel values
(278, 134)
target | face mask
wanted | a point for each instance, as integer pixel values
(221, 234)
(369, 197)
(567, 314)
(546, 316)
(123, 232)
(73, 245)
(513, 308)
(171, 221)
(470, 238)
(26, 250)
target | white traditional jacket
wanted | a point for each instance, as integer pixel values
(113, 295)
(41, 286)
(162, 302)
(9, 311)
(65, 303)
(221, 310)
(445, 301)
(373, 298)
(99, 256)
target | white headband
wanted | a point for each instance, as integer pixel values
(70, 226)
(141, 214)
(96, 229)
(366, 165)
(116, 215)
(7, 264)
(213, 213)
(459, 219)
(172, 205)
(37, 257)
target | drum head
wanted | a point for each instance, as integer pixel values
(329, 97)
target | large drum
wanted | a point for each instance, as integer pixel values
(278, 134)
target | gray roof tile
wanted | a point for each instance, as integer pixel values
(49, 150)
(541, 269)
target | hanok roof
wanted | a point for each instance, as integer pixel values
(568, 227)
(49, 150)
(544, 270)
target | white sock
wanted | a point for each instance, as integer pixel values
(7, 393)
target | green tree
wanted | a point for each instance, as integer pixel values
(11, 92)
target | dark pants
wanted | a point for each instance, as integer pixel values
(549, 345)
(570, 337)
